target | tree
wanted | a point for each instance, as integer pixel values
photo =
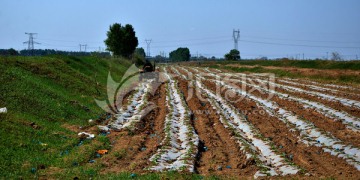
(121, 41)
(139, 57)
(233, 55)
(140, 52)
(13, 52)
(9, 52)
(263, 58)
(180, 54)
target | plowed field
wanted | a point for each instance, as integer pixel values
(213, 122)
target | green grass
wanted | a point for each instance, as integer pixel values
(50, 92)
(316, 64)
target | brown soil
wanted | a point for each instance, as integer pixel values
(132, 150)
(342, 94)
(311, 159)
(352, 93)
(335, 105)
(221, 149)
(125, 98)
(336, 128)
(72, 128)
(307, 71)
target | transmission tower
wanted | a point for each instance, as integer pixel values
(82, 45)
(148, 42)
(236, 37)
(31, 41)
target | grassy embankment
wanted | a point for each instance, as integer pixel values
(44, 97)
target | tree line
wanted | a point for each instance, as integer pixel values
(121, 41)
(44, 52)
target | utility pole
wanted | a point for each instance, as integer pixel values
(31, 41)
(236, 37)
(303, 56)
(148, 42)
(327, 55)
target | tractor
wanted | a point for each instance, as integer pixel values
(149, 71)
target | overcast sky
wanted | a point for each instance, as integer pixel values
(276, 28)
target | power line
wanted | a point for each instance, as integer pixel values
(31, 41)
(209, 41)
(251, 41)
(193, 44)
(46, 44)
(302, 45)
(57, 40)
(303, 40)
(70, 41)
(226, 39)
(195, 39)
(256, 37)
